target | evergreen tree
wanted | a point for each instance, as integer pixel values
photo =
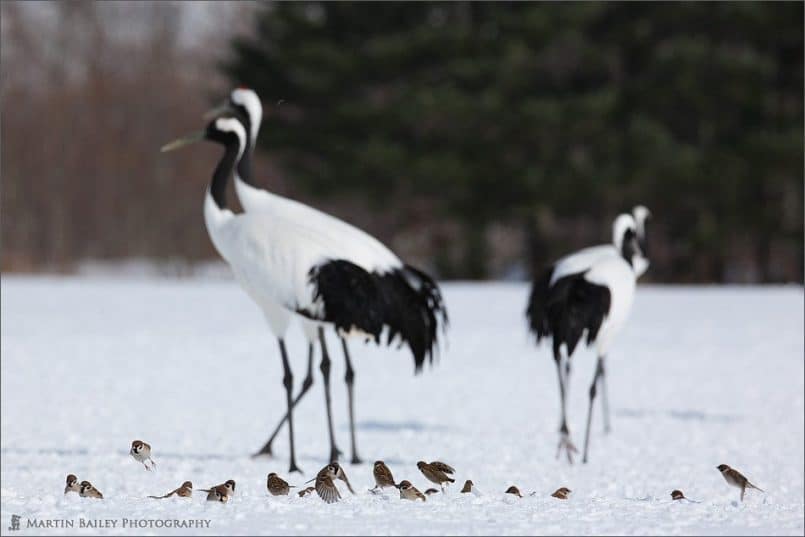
(521, 112)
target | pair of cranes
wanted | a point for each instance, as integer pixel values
(297, 262)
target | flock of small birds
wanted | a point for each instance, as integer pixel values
(436, 472)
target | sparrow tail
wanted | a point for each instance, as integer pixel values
(751, 486)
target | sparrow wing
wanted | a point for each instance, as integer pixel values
(442, 467)
(383, 475)
(344, 478)
(326, 489)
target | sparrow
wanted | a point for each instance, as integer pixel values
(72, 484)
(277, 486)
(410, 492)
(88, 491)
(218, 495)
(142, 453)
(431, 492)
(467, 487)
(185, 491)
(514, 490)
(326, 489)
(383, 477)
(562, 493)
(221, 492)
(325, 482)
(677, 495)
(436, 472)
(304, 492)
(736, 479)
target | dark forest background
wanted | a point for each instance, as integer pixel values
(477, 139)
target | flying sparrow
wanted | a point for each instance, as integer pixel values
(562, 493)
(383, 477)
(514, 490)
(224, 490)
(436, 472)
(185, 491)
(304, 492)
(736, 479)
(467, 486)
(326, 489)
(410, 492)
(277, 486)
(142, 453)
(88, 491)
(72, 484)
(325, 482)
(431, 492)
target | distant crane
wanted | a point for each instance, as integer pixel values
(584, 259)
(590, 290)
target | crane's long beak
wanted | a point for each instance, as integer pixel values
(183, 141)
(221, 109)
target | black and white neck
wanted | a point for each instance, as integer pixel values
(229, 132)
(247, 104)
(624, 237)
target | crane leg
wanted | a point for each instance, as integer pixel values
(565, 444)
(349, 378)
(567, 377)
(287, 381)
(597, 375)
(306, 384)
(604, 398)
(325, 371)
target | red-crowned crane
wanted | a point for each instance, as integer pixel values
(290, 267)
(588, 291)
(355, 245)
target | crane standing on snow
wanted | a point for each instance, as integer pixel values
(289, 266)
(590, 290)
(412, 299)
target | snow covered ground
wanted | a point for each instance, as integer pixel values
(700, 376)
